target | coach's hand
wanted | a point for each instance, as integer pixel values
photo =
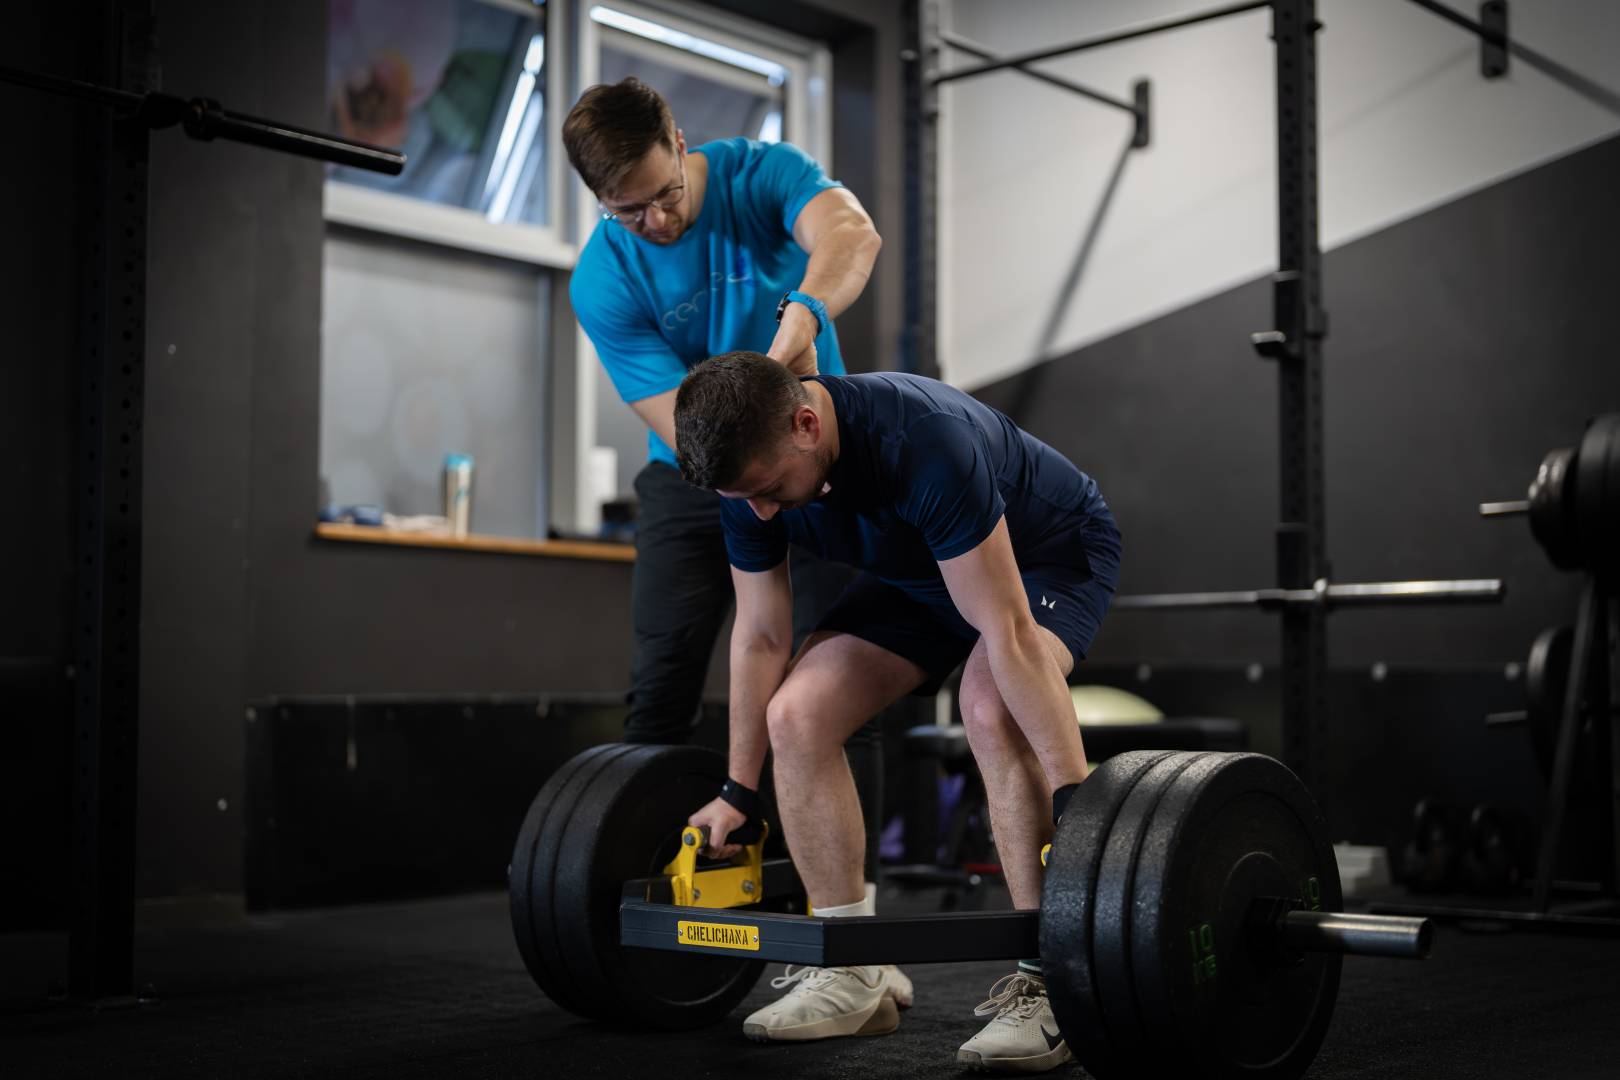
(795, 342)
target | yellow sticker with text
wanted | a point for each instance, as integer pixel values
(718, 935)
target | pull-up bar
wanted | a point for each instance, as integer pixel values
(1141, 90)
(1492, 31)
(1017, 61)
(972, 48)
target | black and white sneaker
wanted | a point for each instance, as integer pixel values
(1022, 1035)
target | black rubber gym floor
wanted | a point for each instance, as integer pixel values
(436, 988)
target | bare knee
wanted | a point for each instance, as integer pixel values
(791, 722)
(989, 723)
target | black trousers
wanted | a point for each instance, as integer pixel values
(680, 594)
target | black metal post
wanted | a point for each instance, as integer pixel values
(1296, 345)
(112, 370)
(922, 117)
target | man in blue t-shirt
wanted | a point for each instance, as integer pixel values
(977, 543)
(734, 244)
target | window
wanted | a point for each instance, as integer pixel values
(715, 91)
(461, 86)
(424, 353)
(435, 348)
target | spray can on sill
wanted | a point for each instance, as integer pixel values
(458, 477)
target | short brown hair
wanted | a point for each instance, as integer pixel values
(730, 411)
(612, 127)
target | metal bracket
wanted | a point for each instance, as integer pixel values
(1275, 344)
(1142, 95)
(1493, 44)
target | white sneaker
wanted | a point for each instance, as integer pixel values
(1023, 1037)
(899, 987)
(826, 1002)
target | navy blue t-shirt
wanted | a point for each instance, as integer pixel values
(924, 472)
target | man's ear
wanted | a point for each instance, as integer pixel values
(806, 425)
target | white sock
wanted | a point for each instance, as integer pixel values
(866, 905)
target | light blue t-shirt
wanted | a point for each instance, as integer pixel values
(653, 311)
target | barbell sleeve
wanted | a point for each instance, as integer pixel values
(1399, 936)
(1383, 592)
(1364, 593)
(1501, 509)
(1173, 601)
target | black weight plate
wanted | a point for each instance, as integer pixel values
(554, 921)
(530, 873)
(1552, 509)
(1546, 688)
(1230, 829)
(627, 824)
(1546, 681)
(1115, 935)
(1067, 899)
(1597, 495)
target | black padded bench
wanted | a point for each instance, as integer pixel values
(964, 837)
(949, 744)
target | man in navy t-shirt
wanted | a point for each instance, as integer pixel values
(734, 244)
(977, 543)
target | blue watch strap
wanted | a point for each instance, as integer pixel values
(817, 308)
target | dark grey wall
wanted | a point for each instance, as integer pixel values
(1464, 344)
(242, 603)
(41, 284)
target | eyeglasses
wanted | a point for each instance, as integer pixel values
(632, 215)
(665, 200)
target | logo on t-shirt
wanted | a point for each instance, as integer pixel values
(691, 309)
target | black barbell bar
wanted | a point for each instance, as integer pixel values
(205, 120)
(959, 937)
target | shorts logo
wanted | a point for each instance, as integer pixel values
(1049, 603)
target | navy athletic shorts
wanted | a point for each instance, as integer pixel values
(925, 627)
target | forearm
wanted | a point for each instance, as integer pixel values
(658, 412)
(1033, 687)
(841, 265)
(758, 665)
